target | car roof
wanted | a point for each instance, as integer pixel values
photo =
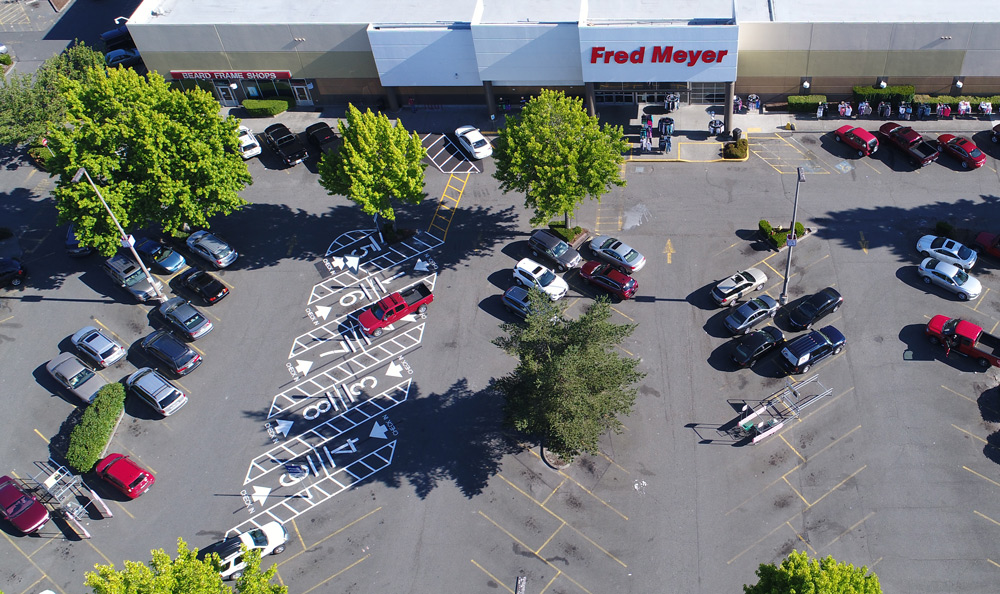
(223, 548)
(940, 266)
(151, 382)
(517, 293)
(278, 127)
(545, 238)
(530, 266)
(67, 364)
(168, 344)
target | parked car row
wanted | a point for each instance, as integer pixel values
(921, 152)
(946, 263)
(288, 145)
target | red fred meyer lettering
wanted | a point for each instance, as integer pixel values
(659, 55)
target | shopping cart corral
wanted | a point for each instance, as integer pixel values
(765, 418)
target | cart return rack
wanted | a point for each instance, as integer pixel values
(770, 415)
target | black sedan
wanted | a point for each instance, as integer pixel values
(322, 136)
(753, 346)
(11, 272)
(177, 357)
(814, 308)
(204, 285)
(287, 145)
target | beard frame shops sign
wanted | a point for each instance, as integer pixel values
(689, 53)
(230, 74)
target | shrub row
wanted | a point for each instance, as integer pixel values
(893, 94)
(953, 101)
(805, 103)
(6, 60)
(567, 235)
(92, 434)
(263, 108)
(736, 150)
(777, 235)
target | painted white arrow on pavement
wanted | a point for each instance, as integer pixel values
(352, 263)
(378, 431)
(421, 266)
(322, 311)
(395, 369)
(260, 494)
(303, 366)
(283, 427)
(337, 262)
(408, 318)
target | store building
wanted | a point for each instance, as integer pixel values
(387, 53)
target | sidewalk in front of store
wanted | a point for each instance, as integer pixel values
(691, 140)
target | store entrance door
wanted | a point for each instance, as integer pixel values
(302, 97)
(225, 92)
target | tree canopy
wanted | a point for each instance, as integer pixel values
(158, 155)
(570, 384)
(376, 164)
(185, 574)
(557, 155)
(30, 102)
(798, 574)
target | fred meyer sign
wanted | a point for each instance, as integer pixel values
(651, 54)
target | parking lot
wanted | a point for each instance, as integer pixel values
(385, 460)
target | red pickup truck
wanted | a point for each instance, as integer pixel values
(393, 307)
(965, 337)
(988, 242)
(910, 142)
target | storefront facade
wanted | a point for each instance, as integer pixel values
(613, 51)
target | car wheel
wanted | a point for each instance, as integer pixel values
(963, 297)
(834, 310)
(773, 313)
(934, 340)
(925, 254)
(236, 575)
(837, 350)
(861, 153)
(16, 282)
(837, 138)
(422, 308)
(995, 138)
(378, 332)
(965, 165)
(534, 252)
(732, 303)
(806, 369)
(560, 268)
(278, 550)
(759, 287)
(983, 363)
(927, 280)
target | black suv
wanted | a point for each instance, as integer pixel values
(801, 354)
(555, 250)
(321, 136)
(176, 356)
(815, 308)
(288, 146)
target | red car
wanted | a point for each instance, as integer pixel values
(126, 476)
(857, 138)
(610, 279)
(962, 149)
(22, 509)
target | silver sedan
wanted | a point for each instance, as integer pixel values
(98, 347)
(620, 254)
(185, 318)
(950, 277)
(946, 250)
(75, 376)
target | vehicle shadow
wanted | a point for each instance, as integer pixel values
(702, 298)
(919, 348)
(56, 390)
(909, 276)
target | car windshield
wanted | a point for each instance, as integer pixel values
(631, 256)
(379, 313)
(964, 253)
(808, 309)
(134, 278)
(559, 249)
(950, 325)
(961, 277)
(257, 535)
(80, 378)
(18, 507)
(546, 278)
(746, 276)
(975, 153)
(479, 143)
(194, 321)
(169, 398)
(938, 242)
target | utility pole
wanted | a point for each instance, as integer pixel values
(791, 237)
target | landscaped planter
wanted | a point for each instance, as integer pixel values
(778, 236)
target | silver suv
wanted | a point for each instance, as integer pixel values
(127, 274)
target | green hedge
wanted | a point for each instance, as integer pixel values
(736, 150)
(263, 108)
(778, 236)
(6, 60)
(567, 235)
(805, 103)
(764, 228)
(893, 94)
(92, 434)
(953, 101)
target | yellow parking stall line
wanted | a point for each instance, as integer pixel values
(30, 560)
(804, 541)
(128, 513)
(331, 535)
(32, 586)
(133, 455)
(616, 465)
(981, 299)
(44, 544)
(587, 491)
(851, 529)
(200, 352)
(994, 562)
(45, 439)
(622, 314)
(985, 517)
(794, 451)
(112, 332)
(495, 579)
(546, 500)
(758, 541)
(351, 566)
(838, 485)
(93, 546)
(796, 491)
(549, 539)
(765, 263)
(981, 476)
(7, 319)
(970, 434)
(958, 394)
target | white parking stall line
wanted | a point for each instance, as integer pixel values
(316, 385)
(307, 442)
(331, 332)
(290, 507)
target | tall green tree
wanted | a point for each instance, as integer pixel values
(558, 155)
(570, 384)
(185, 574)
(798, 574)
(158, 155)
(376, 164)
(31, 102)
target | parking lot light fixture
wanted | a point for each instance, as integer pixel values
(783, 299)
(127, 240)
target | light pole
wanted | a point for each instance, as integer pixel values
(791, 237)
(127, 240)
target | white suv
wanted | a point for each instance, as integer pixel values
(269, 538)
(532, 274)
